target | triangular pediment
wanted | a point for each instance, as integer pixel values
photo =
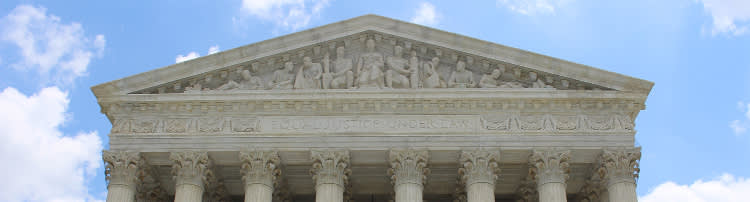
(429, 58)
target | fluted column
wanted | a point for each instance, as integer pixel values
(550, 169)
(408, 173)
(330, 173)
(120, 171)
(189, 170)
(479, 173)
(619, 169)
(260, 170)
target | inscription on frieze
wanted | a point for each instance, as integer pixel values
(370, 124)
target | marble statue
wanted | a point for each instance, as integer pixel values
(536, 82)
(461, 77)
(309, 75)
(414, 66)
(283, 78)
(432, 78)
(342, 75)
(248, 82)
(370, 67)
(399, 70)
(490, 80)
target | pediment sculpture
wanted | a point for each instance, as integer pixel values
(372, 61)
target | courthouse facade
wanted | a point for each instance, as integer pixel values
(373, 109)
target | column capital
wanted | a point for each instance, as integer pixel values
(527, 191)
(121, 168)
(590, 191)
(260, 167)
(479, 166)
(190, 167)
(620, 165)
(149, 188)
(330, 167)
(408, 166)
(549, 166)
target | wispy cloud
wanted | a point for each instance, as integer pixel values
(726, 188)
(532, 7)
(192, 55)
(426, 15)
(739, 126)
(728, 16)
(58, 51)
(287, 15)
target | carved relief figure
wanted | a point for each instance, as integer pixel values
(461, 78)
(490, 80)
(309, 75)
(370, 67)
(433, 79)
(283, 78)
(342, 75)
(399, 70)
(414, 66)
(536, 82)
(248, 82)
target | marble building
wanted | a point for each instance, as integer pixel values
(373, 109)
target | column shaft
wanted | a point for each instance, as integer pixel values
(120, 193)
(552, 192)
(258, 193)
(329, 193)
(480, 192)
(188, 193)
(622, 192)
(408, 192)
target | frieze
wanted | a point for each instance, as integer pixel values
(494, 123)
(372, 61)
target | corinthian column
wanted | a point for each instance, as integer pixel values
(550, 169)
(330, 173)
(619, 169)
(479, 172)
(120, 171)
(189, 170)
(408, 173)
(260, 170)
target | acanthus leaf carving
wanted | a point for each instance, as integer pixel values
(260, 167)
(190, 167)
(121, 168)
(549, 166)
(620, 165)
(408, 166)
(330, 167)
(479, 166)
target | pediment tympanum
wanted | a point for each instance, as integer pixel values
(371, 52)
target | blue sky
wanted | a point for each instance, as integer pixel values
(694, 131)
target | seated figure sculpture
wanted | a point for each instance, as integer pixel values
(370, 67)
(490, 80)
(461, 78)
(309, 75)
(248, 82)
(283, 78)
(342, 75)
(400, 71)
(536, 82)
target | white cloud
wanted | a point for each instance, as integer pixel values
(726, 188)
(40, 162)
(426, 15)
(182, 58)
(728, 16)
(740, 126)
(213, 49)
(192, 55)
(532, 7)
(285, 14)
(59, 52)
